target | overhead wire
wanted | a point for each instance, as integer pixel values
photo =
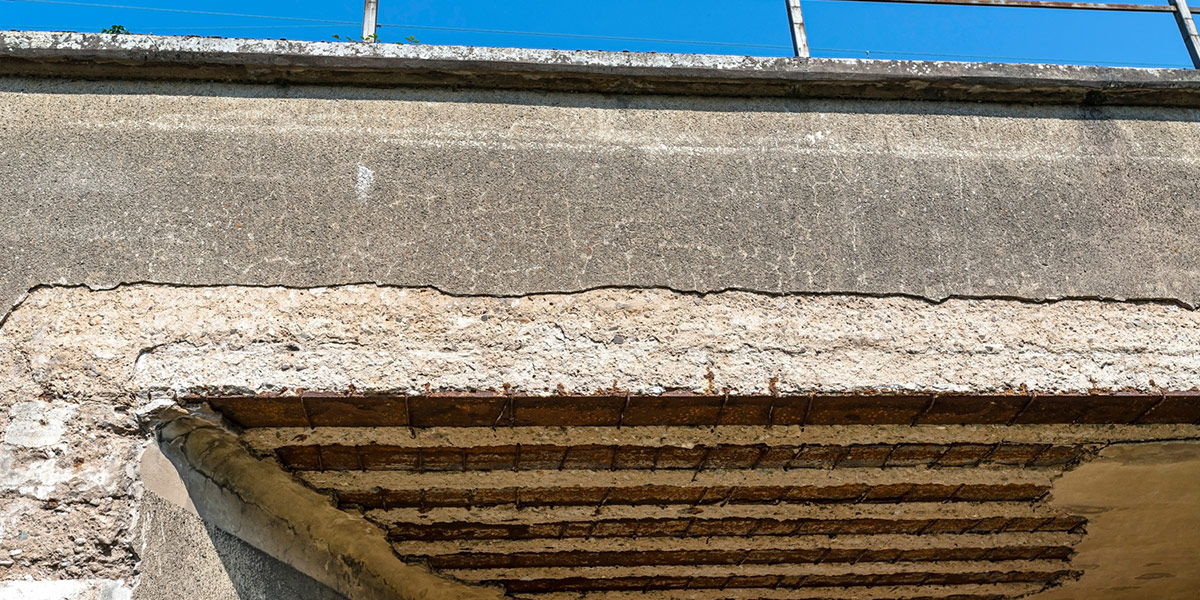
(185, 11)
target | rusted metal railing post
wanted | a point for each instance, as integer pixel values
(796, 20)
(1183, 16)
(370, 17)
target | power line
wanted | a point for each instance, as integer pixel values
(184, 11)
(585, 36)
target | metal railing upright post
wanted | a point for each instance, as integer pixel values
(796, 20)
(1183, 16)
(370, 17)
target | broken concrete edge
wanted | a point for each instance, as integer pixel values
(699, 293)
(103, 56)
(206, 341)
(268, 509)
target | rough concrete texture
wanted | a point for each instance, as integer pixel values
(276, 61)
(184, 557)
(171, 341)
(263, 505)
(1142, 504)
(67, 495)
(507, 193)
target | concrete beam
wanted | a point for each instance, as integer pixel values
(99, 56)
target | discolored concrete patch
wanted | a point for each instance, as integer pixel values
(1143, 507)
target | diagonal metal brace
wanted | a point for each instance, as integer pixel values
(1187, 27)
(796, 20)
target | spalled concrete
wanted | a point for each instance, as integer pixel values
(67, 493)
(170, 341)
(89, 589)
(110, 359)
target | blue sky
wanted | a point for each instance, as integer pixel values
(836, 28)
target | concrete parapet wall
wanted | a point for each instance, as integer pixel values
(510, 193)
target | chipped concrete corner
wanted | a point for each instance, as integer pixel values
(631, 334)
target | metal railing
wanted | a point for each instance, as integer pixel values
(1183, 16)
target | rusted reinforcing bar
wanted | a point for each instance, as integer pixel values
(496, 409)
(1183, 16)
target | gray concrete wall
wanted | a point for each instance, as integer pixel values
(506, 192)
(183, 555)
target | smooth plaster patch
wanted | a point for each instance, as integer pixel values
(1143, 508)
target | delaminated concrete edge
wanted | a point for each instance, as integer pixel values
(265, 507)
(102, 56)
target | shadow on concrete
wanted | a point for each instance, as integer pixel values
(13, 84)
(183, 555)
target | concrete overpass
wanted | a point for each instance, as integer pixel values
(326, 320)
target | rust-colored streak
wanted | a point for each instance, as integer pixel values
(511, 560)
(672, 495)
(693, 527)
(592, 457)
(583, 584)
(868, 410)
(488, 410)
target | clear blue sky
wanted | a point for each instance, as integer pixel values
(836, 28)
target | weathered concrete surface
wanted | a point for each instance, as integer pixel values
(169, 341)
(183, 556)
(515, 192)
(1143, 502)
(88, 589)
(276, 61)
(66, 495)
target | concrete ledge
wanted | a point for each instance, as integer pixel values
(101, 56)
